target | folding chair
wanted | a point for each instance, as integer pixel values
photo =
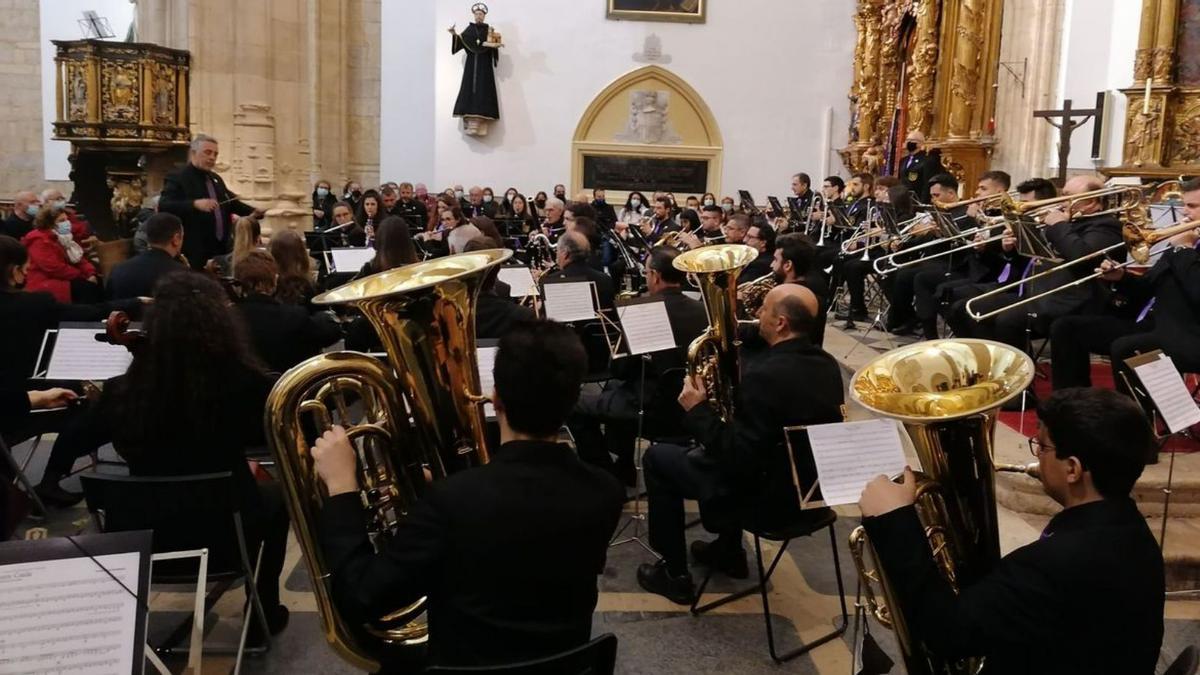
(598, 657)
(186, 513)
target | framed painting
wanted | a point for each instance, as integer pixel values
(688, 11)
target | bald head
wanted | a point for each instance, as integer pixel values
(572, 246)
(1079, 185)
(916, 135)
(787, 312)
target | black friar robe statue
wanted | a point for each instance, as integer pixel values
(477, 103)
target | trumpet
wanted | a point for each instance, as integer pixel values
(1138, 242)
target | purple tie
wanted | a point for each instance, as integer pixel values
(1004, 273)
(1028, 269)
(212, 194)
(1145, 310)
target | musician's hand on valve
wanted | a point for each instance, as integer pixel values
(980, 241)
(335, 462)
(1055, 217)
(882, 496)
(1110, 271)
(690, 240)
(693, 393)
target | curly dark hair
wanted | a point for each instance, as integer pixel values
(195, 345)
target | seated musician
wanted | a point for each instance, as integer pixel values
(969, 265)
(711, 230)
(796, 263)
(829, 221)
(736, 228)
(1073, 235)
(854, 268)
(15, 407)
(1163, 312)
(905, 313)
(283, 335)
(553, 226)
(394, 248)
(507, 553)
(572, 254)
(1008, 258)
(616, 406)
(497, 311)
(191, 402)
(661, 222)
(739, 465)
(804, 199)
(760, 237)
(1086, 597)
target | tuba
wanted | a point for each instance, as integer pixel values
(714, 355)
(414, 417)
(947, 394)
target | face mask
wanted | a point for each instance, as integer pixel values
(458, 194)
(510, 196)
(635, 203)
(58, 205)
(709, 202)
(322, 192)
(600, 200)
(31, 210)
(540, 202)
(911, 146)
(727, 208)
(487, 198)
(64, 227)
(357, 194)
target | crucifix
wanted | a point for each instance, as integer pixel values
(1065, 121)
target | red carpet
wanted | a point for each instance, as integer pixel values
(1101, 377)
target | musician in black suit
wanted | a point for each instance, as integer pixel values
(497, 311)
(795, 262)
(508, 552)
(572, 253)
(740, 465)
(919, 165)
(1086, 597)
(135, 278)
(616, 406)
(760, 237)
(283, 335)
(1162, 311)
(199, 197)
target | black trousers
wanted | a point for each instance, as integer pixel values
(1014, 327)
(956, 311)
(605, 424)
(930, 286)
(1075, 338)
(855, 270)
(904, 290)
(268, 525)
(675, 473)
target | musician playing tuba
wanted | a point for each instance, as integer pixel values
(1086, 597)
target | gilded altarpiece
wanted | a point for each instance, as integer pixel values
(928, 66)
(1162, 130)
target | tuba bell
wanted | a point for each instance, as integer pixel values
(414, 417)
(947, 394)
(714, 355)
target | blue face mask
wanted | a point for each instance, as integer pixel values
(322, 192)
(31, 210)
(64, 227)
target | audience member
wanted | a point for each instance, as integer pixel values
(57, 267)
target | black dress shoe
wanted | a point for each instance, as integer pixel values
(654, 578)
(907, 328)
(730, 563)
(277, 620)
(52, 494)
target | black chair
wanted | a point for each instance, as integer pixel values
(595, 337)
(598, 657)
(185, 513)
(1187, 663)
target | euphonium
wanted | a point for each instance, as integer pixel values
(713, 356)
(425, 316)
(947, 394)
(751, 295)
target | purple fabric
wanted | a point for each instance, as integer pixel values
(1004, 273)
(212, 194)
(1025, 275)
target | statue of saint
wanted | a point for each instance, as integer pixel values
(477, 104)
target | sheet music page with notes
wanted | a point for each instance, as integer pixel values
(78, 356)
(486, 358)
(519, 280)
(647, 327)
(350, 260)
(69, 616)
(1165, 385)
(570, 301)
(849, 455)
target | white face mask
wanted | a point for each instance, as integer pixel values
(487, 198)
(728, 208)
(709, 202)
(458, 194)
(635, 203)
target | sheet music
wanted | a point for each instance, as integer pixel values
(1164, 215)
(570, 301)
(350, 259)
(486, 358)
(519, 280)
(849, 455)
(1170, 395)
(78, 356)
(647, 327)
(69, 616)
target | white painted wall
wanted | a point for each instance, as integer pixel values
(770, 71)
(59, 21)
(1098, 48)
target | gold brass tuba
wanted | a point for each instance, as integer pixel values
(713, 356)
(425, 315)
(947, 394)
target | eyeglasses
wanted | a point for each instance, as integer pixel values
(1037, 447)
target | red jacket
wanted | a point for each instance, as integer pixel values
(49, 269)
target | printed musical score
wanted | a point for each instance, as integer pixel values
(646, 327)
(519, 280)
(849, 455)
(350, 260)
(78, 356)
(486, 358)
(570, 301)
(1165, 385)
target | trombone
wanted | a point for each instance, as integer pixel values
(1138, 242)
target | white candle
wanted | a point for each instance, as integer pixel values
(1146, 96)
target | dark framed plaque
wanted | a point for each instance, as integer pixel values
(645, 174)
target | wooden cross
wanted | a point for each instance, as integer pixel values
(1064, 120)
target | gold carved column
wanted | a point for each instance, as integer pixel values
(1162, 130)
(945, 52)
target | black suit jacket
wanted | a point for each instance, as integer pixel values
(757, 268)
(507, 553)
(496, 313)
(183, 187)
(284, 335)
(792, 383)
(1094, 580)
(15, 227)
(688, 320)
(916, 170)
(484, 209)
(580, 270)
(136, 277)
(1072, 240)
(1174, 283)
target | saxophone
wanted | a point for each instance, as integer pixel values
(411, 418)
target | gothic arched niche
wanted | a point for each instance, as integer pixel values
(647, 130)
